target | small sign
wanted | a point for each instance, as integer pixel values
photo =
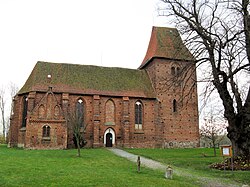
(226, 150)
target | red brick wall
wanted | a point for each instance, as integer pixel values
(180, 128)
(45, 109)
(88, 121)
(123, 126)
(14, 120)
(35, 140)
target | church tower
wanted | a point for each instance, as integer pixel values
(172, 71)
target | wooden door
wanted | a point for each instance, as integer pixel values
(109, 140)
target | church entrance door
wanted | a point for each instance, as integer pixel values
(109, 140)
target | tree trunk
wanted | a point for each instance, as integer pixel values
(239, 134)
(78, 150)
(214, 150)
(78, 146)
(3, 122)
(238, 121)
(214, 147)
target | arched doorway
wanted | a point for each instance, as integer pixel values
(109, 138)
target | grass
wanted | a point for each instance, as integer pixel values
(96, 167)
(193, 161)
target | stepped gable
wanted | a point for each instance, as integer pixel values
(166, 43)
(88, 79)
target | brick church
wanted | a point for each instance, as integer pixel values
(155, 105)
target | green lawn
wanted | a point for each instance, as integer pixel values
(193, 161)
(96, 167)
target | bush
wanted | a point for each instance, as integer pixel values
(239, 163)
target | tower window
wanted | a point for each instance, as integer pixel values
(175, 71)
(178, 71)
(174, 105)
(172, 70)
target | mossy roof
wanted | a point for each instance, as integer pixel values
(88, 79)
(166, 43)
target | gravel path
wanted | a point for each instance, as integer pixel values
(204, 181)
(144, 161)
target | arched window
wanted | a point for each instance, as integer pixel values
(56, 112)
(138, 115)
(25, 109)
(178, 71)
(174, 105)
(110, 113)
(175, 71)
(80, 112)
(46, 131)
(172, 70)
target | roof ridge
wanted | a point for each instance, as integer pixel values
(61, 63)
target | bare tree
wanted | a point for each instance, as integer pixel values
(13, 89)
(212, 130)
(2, 108)
(218, 34)
(78, 127)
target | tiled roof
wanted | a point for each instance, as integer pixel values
(166, 43)
(87, 79)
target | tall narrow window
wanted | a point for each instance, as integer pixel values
(172, 70)
(46, 131)
(25, 109)
(80, 112)
(138, 115)
(56, 112)
(110, 113)
(174, 105)
(178, 71)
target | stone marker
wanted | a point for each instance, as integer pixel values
(169, 173)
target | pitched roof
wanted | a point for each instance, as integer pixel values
(166, 43)
(88, 79)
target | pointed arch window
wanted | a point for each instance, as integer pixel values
(138, 115)
(178, 71)
(172, 70)
(46, 131)
(110, 113)
(80, 112)
(175, 71)
(174, 105)
(25, 109)
(56, 112)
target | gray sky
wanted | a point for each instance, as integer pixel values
(96, 32)
(104, 33)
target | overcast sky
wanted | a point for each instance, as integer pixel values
(104, 33)
(97, 32)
